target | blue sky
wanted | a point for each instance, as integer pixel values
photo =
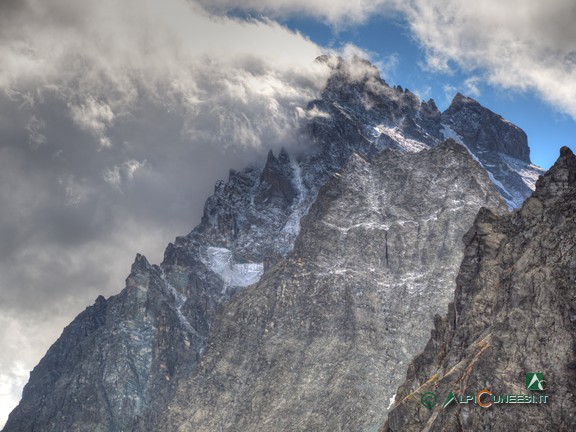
(389, 41)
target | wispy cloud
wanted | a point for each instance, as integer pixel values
(335, 12)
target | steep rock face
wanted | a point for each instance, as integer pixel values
(465, 115)
(514, 312)
(114, 363)
(501, 147)
(320, 342)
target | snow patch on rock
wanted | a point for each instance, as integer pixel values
(511, 199)
(179, 301)
(528, 172)
(392, 400)
(397, 135)
(221, 262)
(292, 227)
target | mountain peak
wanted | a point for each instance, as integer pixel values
(140, 263)
(484, 130)
(566, 152)
(559, 177)
(459, 99)
(271, 159)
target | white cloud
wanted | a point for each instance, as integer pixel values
(517, 44)
(34, 128)
(471, 86)
(312, 113)
(11, 383)
(123, 173)
(94, 117)
(173, 52)
(75, 191)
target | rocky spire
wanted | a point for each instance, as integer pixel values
(560, 178)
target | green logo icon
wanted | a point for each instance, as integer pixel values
(429, 400)
(449, 399)
(535, 381)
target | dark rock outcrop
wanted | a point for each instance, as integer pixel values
(276, 183)
(485, 131)
(514, 312)
(501, 147)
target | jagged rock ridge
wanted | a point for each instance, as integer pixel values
(514, 312)
(363, 108)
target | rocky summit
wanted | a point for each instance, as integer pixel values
(509, 338)
(309, 284)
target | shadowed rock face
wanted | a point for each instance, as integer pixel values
(323, 340)
(514, 312)
(501, 147)
(484, 130)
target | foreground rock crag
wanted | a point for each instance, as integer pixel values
(514, 312)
